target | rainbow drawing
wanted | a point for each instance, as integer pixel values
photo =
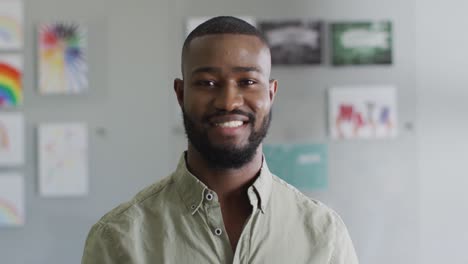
(62, 58)
(10, 31)
(11, 199)
(9, 214)
(11, 25)
(11, 91)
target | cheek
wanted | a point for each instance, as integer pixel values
(195, 104)
(261, 107)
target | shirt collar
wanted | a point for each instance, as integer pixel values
(192, 190)
(262, 186)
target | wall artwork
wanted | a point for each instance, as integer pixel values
(194, 22)
(12, 212)
(63, 159)
(293, 42)
(11, 139)
(363, 112)
(11, 88)
(304, 166)
(11, 25)
(361, 43)
(63, 65)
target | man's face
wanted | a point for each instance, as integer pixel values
(226, 97)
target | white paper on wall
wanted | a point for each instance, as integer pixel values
(363, 112)
(63, 159)
(11, 25)
(12, 212)
(11, 139)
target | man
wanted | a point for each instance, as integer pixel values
(222, 204)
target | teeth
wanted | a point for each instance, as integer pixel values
(230, 124)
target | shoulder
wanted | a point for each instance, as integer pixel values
(318, 220)
(289, 192)
(153, 193)
(311, 210)
(111, 236)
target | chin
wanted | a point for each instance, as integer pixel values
(230, 144)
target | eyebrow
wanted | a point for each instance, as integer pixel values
(206, 69)
(246, 69)
(209, 69)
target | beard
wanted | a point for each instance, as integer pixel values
(226, 156)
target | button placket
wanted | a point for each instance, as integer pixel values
(214, 210)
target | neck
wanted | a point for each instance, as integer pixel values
(227, 183)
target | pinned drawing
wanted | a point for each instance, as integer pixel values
(363, 112)
(11, 25)
(304, 166)
(11, 90)
(362, 43)
(11, 200)
(63, 159)
(293, 42)
(11, 139)
(62, 58)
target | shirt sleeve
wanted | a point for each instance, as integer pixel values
(343, 252)
(99, 247)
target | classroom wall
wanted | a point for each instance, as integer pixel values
(126, 110)
(384, 190)
(442, 66)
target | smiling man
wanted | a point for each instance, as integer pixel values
(222, 204)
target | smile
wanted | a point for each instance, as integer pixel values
(230, 124)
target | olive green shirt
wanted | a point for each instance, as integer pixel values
(178, 220)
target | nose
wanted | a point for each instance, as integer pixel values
(228, 98)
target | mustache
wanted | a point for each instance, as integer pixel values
(251, 116)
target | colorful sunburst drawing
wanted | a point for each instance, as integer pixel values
(62, 58)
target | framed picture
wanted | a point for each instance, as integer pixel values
(363, 112)
(293, 42)
(359, 43)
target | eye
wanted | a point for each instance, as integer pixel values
(205, 83)
(247, 82)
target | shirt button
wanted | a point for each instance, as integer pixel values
(218, 231)
(209, 196)
(193, 206)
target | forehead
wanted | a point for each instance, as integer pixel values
(227, 50)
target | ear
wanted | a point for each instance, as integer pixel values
(272, 89)
(179, 91)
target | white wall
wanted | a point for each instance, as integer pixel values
(128, 98)
(442, 73)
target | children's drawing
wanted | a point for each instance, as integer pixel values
(62, 58)
(363, 112)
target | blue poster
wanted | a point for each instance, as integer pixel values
(305, 166)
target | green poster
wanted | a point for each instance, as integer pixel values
(362, 43)
(305, 166)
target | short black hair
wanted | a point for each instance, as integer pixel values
(222, 25)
